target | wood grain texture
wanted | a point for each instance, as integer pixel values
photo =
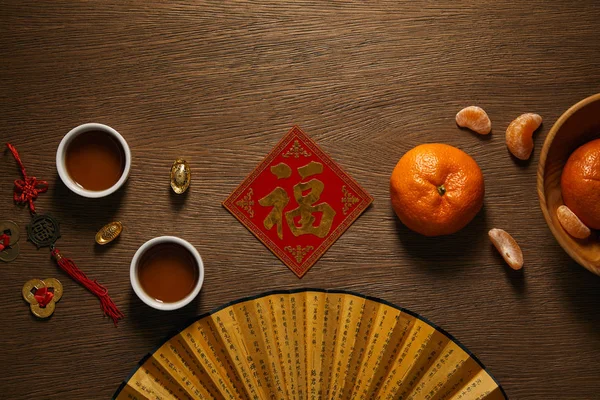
(220, 82)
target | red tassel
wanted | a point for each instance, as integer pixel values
(108, 306)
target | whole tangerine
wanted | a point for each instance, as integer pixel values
(580, 183)
(436, 189)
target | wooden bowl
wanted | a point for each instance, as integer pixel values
(578, 125)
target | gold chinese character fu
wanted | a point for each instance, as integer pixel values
(307, 207)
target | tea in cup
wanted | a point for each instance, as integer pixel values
(93, 160)
(167, 273)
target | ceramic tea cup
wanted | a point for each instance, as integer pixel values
(166, 273)
(93, 160)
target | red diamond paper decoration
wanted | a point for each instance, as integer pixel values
(297, 201)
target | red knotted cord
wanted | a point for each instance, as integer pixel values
(43, 296)
(28, 188)
(26, 191)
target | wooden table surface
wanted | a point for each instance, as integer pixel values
(220, 82)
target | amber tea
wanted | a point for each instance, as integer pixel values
(95, 160)
(168, 272)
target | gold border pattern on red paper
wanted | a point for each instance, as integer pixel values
(296, 144)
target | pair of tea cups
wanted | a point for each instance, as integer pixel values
(146, 248)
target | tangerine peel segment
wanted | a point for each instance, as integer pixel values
(519, 135)
(475, 119)
(571, 223)
(507, 247)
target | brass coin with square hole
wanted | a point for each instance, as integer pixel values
(10, 253)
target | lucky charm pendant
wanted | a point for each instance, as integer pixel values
(42, 296)
(43, 231)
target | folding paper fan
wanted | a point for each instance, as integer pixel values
(310, 344)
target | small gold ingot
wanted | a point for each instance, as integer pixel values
(181, 175)
(32, 286)
(109, 232)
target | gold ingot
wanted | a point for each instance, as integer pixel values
(181, 175)
(109, 232)
(11, 229)
(10, 253)
(32, 286)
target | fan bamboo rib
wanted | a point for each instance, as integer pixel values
(311, 344)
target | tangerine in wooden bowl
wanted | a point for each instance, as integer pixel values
(580, 124)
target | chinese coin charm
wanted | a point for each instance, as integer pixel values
(43, 231)
(42, 296)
